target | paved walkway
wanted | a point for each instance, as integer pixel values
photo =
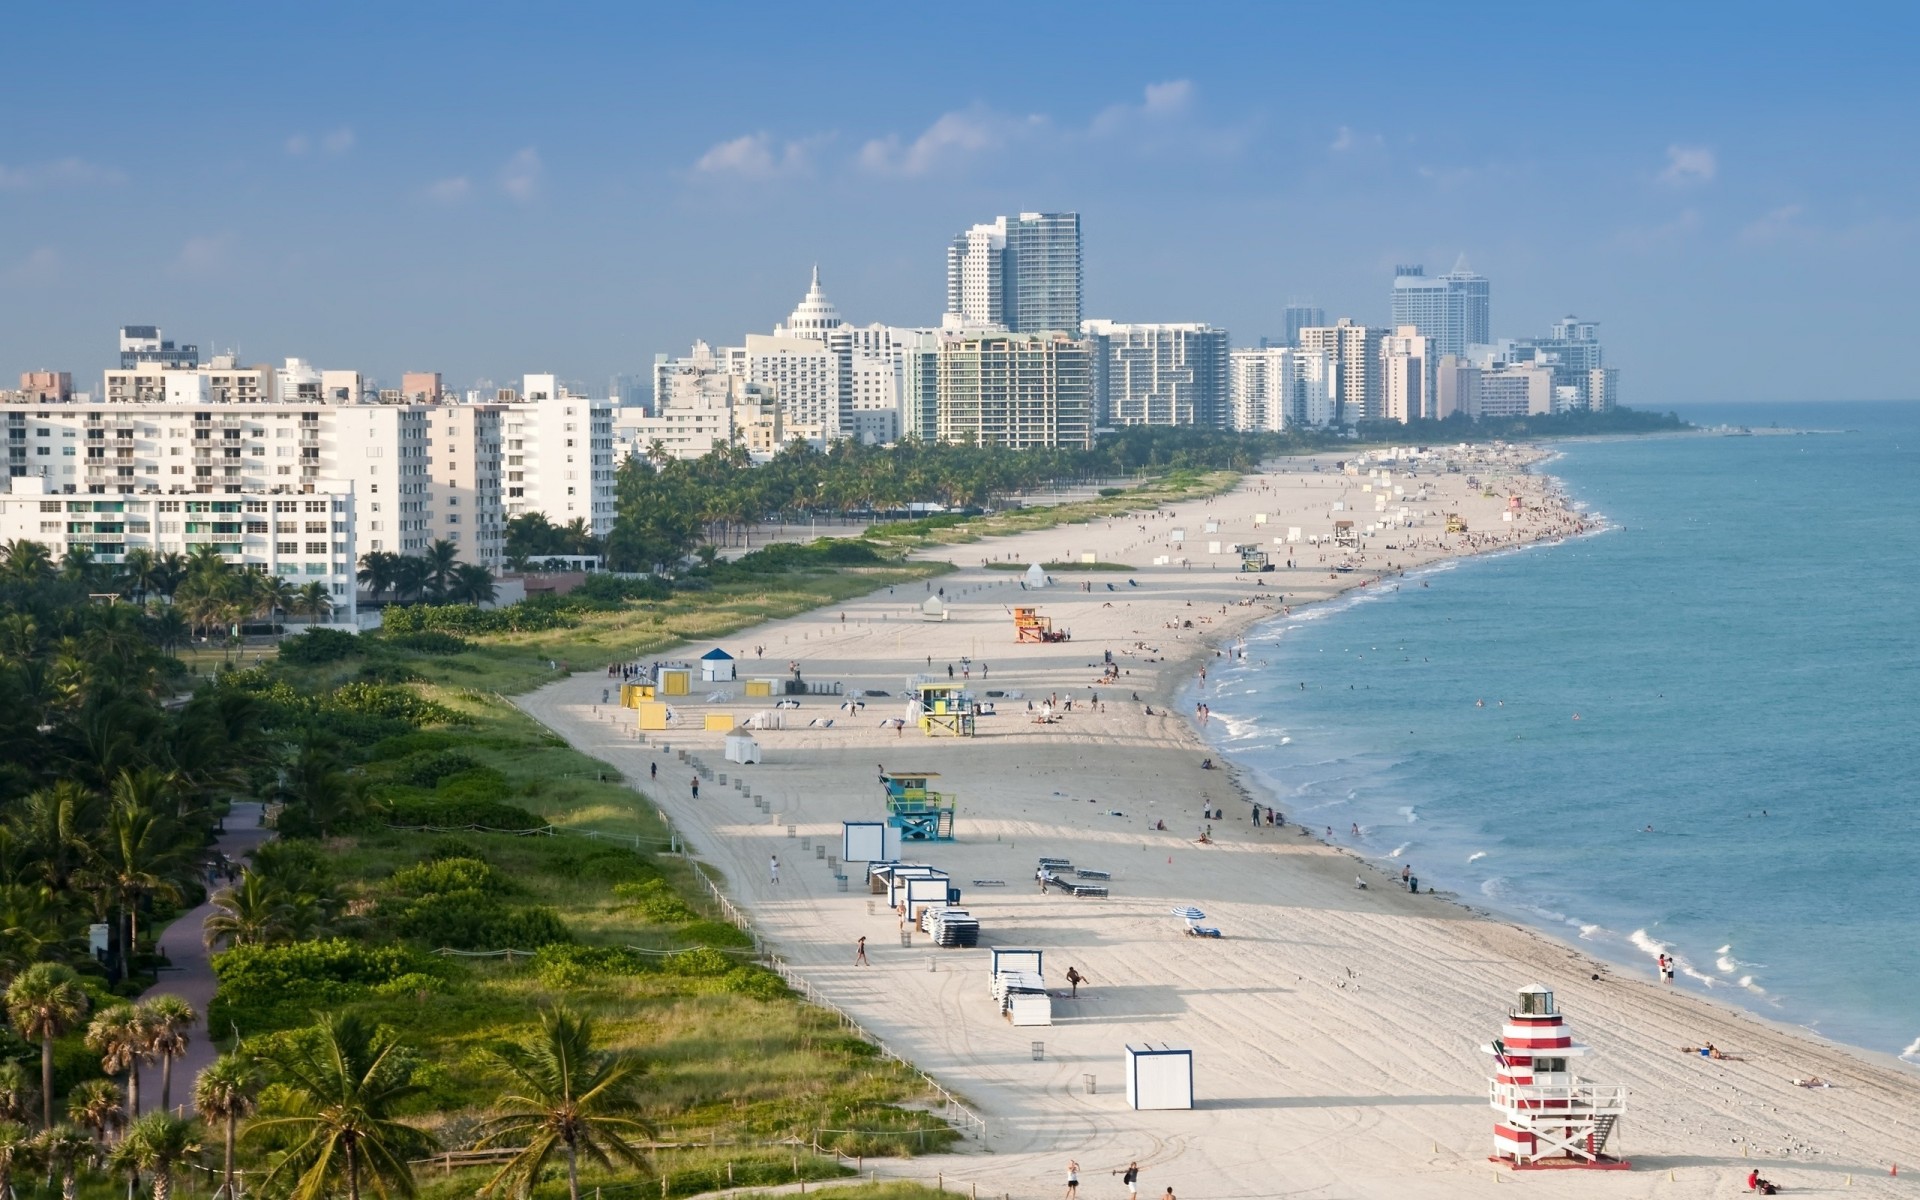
(191, 976)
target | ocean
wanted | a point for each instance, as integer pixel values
(1694, 731)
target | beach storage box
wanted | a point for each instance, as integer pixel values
(716, 666)
(742, 748)
(631, 694)
(1029, 1008)
(1010, 959)
(676, 681)
(760, 688)
(718, 722)
(867, 842)
(653, 714)
(1159, 1076)
(899, 879)
(924, 892)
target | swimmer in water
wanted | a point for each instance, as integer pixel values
(1479, 703)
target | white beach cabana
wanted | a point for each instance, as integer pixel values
(716, 666)
(1036, 578)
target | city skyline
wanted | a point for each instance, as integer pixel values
(411, 217)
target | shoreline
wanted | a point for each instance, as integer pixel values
(1333, 1028)
(1250, 783)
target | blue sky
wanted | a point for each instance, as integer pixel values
(486, 190)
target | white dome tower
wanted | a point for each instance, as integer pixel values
(815, 317)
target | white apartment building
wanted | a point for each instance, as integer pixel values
(1513, 390)
(1405, 375)
(1160, 374)
(999, 389)
(1277, 388)
(1355, 350)
(464, 497)
(700, 405)
(558, 455)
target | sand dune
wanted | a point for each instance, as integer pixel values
(1334, 1029)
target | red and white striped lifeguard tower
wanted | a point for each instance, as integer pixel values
(1549, 1117)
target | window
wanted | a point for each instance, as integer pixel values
(316, 547)
(286, 547)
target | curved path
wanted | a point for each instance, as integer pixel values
(191, 975)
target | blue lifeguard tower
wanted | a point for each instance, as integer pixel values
(918, 812)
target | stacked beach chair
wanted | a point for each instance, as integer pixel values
(1062, 876)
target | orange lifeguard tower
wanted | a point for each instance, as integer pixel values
(1548, 1116)
(1030, 626)
(1456, 523)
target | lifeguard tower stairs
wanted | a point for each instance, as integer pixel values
(915, 809)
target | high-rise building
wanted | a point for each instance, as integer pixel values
(1000, 389)
(1452, 310)
(1159, 374)
(1263, 391)
(1022, 273)
(143, 344)
(1406, 372)
(1572, 351)
(46, 385)
(701, 406)
(1515, 390)
(420, 387)
(1355, 390)
(1295, 317)
(1456, 388)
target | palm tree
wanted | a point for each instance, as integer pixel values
(272, 594)
(169, 572)
(16, 1094)
(376, 572)
(343, 1088)
(138, 855)
(45, 1001)
(160, 1143)
(78, 565)
(96, 1105)
(120, 1037)
(441, 557)
(472, 584)
(26, 561)
(223, 1092)
(16, 1151)
(312, 602)
(139, 570)
(63, 1148)
(409, 577)
(250, 913)
(169, 1017)
(563, 1096)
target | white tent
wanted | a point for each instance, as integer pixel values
(1036, 578)
(935, 609)
(742, 748)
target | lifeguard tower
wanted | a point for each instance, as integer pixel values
(1030, 626)
(1456, 523)
(918, 812)
(946, 710)
(1548, 1116)
(1343, 534)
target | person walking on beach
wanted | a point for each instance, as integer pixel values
(1406, 873)
(653, 770)
(1073, 1179)
(860, 953)
(773, 868)
(696, 787)
(1074, 980)
(1131, 1177)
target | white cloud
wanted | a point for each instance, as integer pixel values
(520, 178)
(953, 139)
(451, 190)
(1169, 97)
(1347, 140)
(38, 268)
(757, 156)
(338, 142)
(203, 255)
(1159, 102)
(298, 145)
(1688, 165)
(65, 172)
(1775, 225)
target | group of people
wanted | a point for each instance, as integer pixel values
(1129, 1176)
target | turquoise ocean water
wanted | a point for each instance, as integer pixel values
(1742, 646)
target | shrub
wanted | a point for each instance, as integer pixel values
(655, 901)
(611, 864)
(388, 700)
(429, 641)
(715, 933)
(578, 962)
(448, 875)
(447, 812)
(757, 983)
(294, 865)
(614, 589)
(317, 647)
(702, 963)
(476, 785)
(426, 770)
(473, 920)
(264, 986)
(406, 745)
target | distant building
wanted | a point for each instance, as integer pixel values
(46, 385)
(1000, 389)
(701, 405)
(1510, 390)
(1159, 374)
(1406, 372)
(1295, 317)
(1453, 310)
(420, 387)
(1022, 273)
(143, 344)
(1456, 389)
(1356, 392)
(1573, 352)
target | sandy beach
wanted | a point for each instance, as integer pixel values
(1335, 1030)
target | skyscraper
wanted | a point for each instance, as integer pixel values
(1296, 317)
(1019, 272)
(1354, 350)
(1452, 309)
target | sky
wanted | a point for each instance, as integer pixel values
(487, 190)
